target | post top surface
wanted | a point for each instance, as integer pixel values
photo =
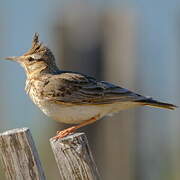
(14, 131)
(69, 137)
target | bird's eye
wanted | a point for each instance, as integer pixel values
(30, 59)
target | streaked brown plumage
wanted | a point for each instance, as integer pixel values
(71, 97)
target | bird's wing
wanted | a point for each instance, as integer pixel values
(76, 88)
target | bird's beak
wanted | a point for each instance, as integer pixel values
(13, 58)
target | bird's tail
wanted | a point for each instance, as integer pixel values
(153, 103)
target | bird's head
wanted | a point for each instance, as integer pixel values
(37, 59)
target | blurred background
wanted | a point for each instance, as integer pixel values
(134, 44)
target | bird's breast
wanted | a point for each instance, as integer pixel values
(33, 89)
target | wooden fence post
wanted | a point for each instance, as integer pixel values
(19, 155)
(74, 158)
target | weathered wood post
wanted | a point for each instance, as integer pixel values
(74, 158)
(19, 155)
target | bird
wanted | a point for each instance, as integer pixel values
(71, 97)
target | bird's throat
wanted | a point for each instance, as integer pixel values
(35, 69)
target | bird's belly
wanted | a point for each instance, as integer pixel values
(73, 114)
(69, 114)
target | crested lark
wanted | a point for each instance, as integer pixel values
(71, 97)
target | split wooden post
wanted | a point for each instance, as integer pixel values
(19, 155)
(74, 158)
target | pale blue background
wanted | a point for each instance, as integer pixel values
(157, 72)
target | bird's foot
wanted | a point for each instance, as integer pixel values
(64, 133)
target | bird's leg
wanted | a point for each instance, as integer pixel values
(65, 132)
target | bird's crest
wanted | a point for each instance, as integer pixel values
(37, 46)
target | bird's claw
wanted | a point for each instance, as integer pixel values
(64, 133)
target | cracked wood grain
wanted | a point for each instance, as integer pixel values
(19, 155)
(74, 158)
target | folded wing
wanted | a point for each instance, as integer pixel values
(76, 88)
